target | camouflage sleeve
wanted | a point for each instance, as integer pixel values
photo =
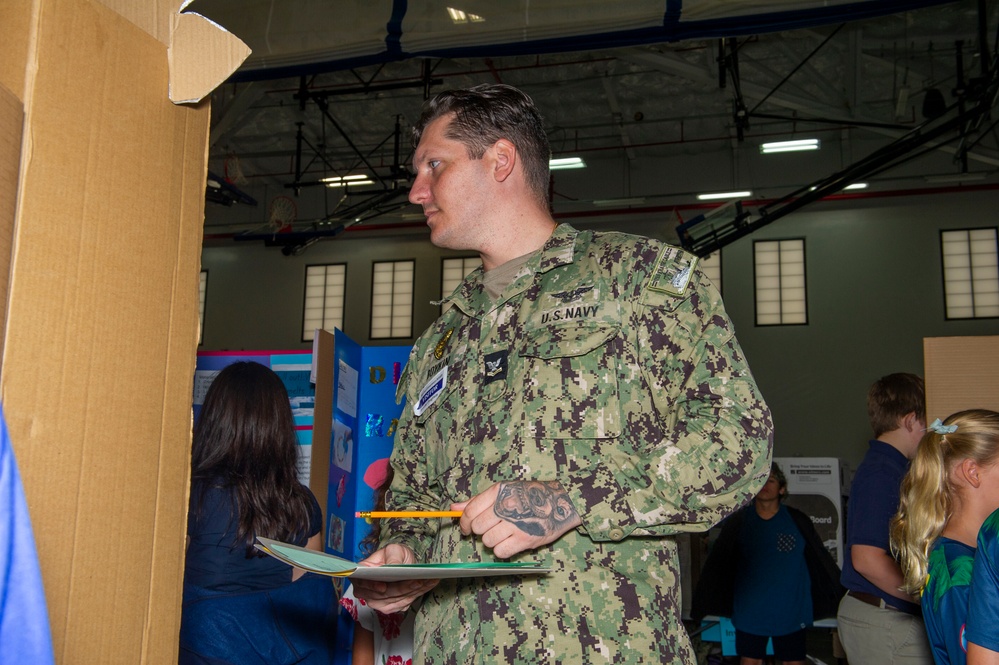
(706, 448)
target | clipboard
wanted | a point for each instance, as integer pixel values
(334, 566)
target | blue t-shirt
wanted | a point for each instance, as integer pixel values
(874, 499)
(216, 561)
(945, 600)
(773, 591)
(983, 604)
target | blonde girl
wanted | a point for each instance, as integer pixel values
(949, 490)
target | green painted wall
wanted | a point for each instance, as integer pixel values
(874, 292)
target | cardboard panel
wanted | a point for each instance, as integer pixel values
(960, 373)
(201, 56)
(11, 122)
(153, 16)
(322, 427)
(16, 27)
(102, 330)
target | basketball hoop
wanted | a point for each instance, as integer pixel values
(233, 172)
(281, 213)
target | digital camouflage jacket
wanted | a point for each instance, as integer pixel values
(607, 364)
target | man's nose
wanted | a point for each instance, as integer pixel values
(418, 192)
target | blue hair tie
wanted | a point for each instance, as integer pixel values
(938, 427)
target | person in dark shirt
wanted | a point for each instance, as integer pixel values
(879, 624)
(244, 484)
(771, 574)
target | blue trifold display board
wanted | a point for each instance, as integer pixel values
(365, 416)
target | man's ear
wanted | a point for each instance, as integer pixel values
(505, 156)
(910, 422)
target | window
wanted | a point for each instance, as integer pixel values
(392, 299)
(780, 282)
(453, 272)
(324, 293)
(971, 273)
(202, 291)
(711, 267)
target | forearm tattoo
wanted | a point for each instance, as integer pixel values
(536, 508)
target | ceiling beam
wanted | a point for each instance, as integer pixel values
(674, 65)
(232, 117)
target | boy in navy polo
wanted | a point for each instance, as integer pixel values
(878, 623)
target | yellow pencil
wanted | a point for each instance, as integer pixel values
(408, 513)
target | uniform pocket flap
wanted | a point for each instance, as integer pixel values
(568, 340)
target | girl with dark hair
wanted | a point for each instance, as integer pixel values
(244, 484)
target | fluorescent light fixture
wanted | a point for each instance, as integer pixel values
(724, 195)
(856, 185)
(336, 179)
(351, 183)
(790, 146)
(634, 201)
(458, 16)
(348, 180)
(563, 163)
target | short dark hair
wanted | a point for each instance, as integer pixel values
(891, 398)
(487, 113)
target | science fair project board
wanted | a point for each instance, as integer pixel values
(295, 370)
(365, 417)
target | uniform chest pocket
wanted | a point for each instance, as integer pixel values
(571, 374)
(438, 400)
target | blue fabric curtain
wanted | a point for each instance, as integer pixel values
(24, 620)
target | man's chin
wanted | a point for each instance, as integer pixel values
(440, 238)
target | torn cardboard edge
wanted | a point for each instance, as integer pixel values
(202, 54)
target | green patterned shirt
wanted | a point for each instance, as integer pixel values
(607, 364)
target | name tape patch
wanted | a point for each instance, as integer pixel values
(430, 392)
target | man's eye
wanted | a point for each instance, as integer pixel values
(433, 163)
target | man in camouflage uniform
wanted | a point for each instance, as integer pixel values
(582, 400)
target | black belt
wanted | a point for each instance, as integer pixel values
(878, 601)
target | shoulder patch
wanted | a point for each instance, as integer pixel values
(673, 271)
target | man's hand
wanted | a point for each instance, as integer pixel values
(517, 516)
(391, 597)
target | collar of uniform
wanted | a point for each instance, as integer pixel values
(469, 294)
(471, 298)
(559, 249)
